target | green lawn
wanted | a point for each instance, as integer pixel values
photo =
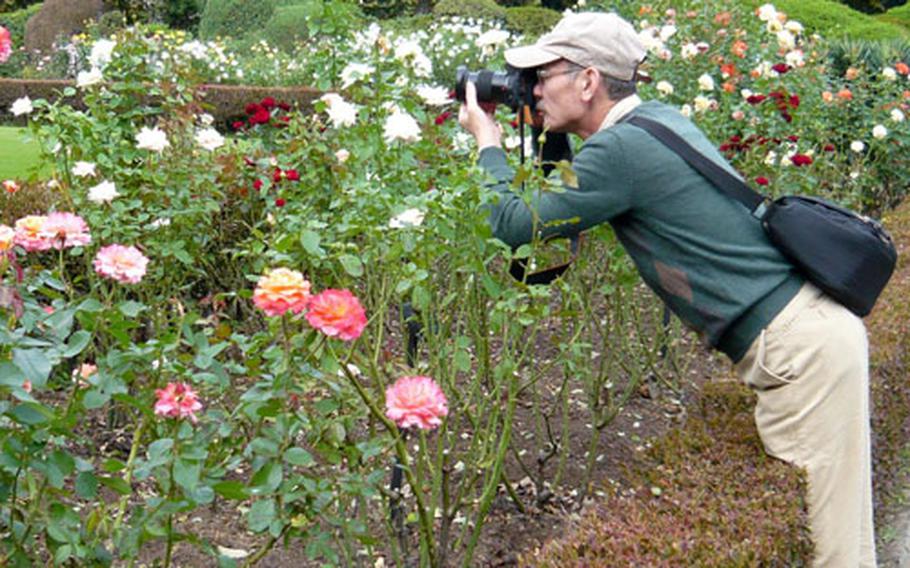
(18, 154)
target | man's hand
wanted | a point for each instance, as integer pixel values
(477, 121)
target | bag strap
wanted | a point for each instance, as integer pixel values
(718, 176)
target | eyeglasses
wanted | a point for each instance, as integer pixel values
(544, 74)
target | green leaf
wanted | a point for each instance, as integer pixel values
(34, 363)
(261, 515)
(310, 241)
(130, 308)
(231, 490)
(352, 265)
(186, 473)
(267, 479)
(86, 485)
(31, 413)
(117, 484)
(299, 456)
(77, 343)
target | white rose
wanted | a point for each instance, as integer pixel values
(889, 73)
(104, 192)
(407, 218)
(706, 83)
(897, 115)
(20, 106)
(688, 51)
(857, 146)
(686, 110)
(101, 53)
(83, 169)
(879, 132)
(401, 126)
(153, 139)
(342, 155)
(341, 112)
(210, 139)
(354, 72)
(434, 96)
(702, 103)
(664, 88)
(767, 12)
(89, 78)
(492, 38)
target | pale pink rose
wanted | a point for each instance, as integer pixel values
(177, 400)
(416, 401)
(337, 313)
(82, 374)
(28, 233)
(120, 263)
(27, 386)
(65, 230)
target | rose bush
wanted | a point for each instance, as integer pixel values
(282, 316)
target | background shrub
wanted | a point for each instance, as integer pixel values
(531, 21)
(395, 8)
(899, 16)
(834, 20)
(237, 18)
(290, 24)
(15, 23)
(13, 5)
(484, 9)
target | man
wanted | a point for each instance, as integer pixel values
(704, 254)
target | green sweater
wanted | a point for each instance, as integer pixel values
(702, 252)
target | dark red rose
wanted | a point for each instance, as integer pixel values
(786, 116)
(801, 160)
(793, 138)
(781, 67)
(794, 101)
(755, 99)
(268, 102)
(284, 106)
(279, 202)
(292, 175)
(257, 184)
(252, 108)
(442, 118)
(829, 148)
(276, 177)
(761, 180)
(238, 125)
(261, 116)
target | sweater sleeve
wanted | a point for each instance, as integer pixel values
(602, 192)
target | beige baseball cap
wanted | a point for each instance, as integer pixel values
(591, 39)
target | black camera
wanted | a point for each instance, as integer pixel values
(513, 87)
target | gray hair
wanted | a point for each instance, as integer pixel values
(618, 89)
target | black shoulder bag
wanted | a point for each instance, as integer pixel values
(849, 256)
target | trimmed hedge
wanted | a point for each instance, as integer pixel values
(899, 16)
(237, 18)
(483, 9)
(224, 102)
(708, 496)
(834, 20)
(290, 24)
(531, 21)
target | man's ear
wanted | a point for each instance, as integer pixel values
(591, 83)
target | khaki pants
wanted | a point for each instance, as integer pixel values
(810, 369)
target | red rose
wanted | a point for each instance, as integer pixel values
(755, 99)
(786, 116)
(292, 175)
(284, 106)
(794, 101)
(801, 160)
(252, 108)
(257, 184)
(276, 177)
(781, 67)
(268, 102)
(442, 118)
(761, 180)
(829, 148)
(793, 138)
(279, 202)
(238, 125)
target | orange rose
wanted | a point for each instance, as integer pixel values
(739, 48)
(902, 68)
(851, 73)
(845, 94)
(827, 96)
(281, 290)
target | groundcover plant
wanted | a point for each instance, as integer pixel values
(238, 300)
